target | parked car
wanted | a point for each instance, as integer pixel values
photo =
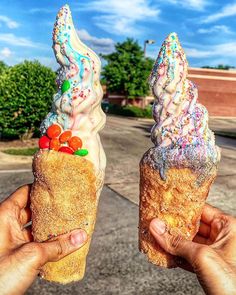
(105, 105)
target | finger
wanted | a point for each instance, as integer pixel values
(200, 240)
(61, 246)
(27, 233)
(25, 215)
(21, 196)
(173, 244)
(204, 229)
(220, 227)
(209, 213)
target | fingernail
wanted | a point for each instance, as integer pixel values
(78, 237)
(158, 226)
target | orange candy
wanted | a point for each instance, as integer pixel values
(75, 143)
(65, 136)
(55, 144)
(53, 131)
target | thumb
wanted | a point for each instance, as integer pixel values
(174, 244)
(63, 245)
(55, 249)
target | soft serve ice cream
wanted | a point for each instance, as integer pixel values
(76, 107)
(177, 173)
(181, 134)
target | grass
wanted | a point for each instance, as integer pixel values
(21, 152)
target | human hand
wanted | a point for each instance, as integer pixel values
(20, 258)
(211, 254)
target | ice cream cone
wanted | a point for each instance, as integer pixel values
(176, 174)
(178, 201)
(64, 197)
(69, 168)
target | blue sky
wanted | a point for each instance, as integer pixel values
(206, 28)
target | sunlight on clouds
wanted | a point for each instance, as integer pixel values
(11, 24)
(190, 4)
(226, 11)
(5, 52)
(223, 50)
(100, 45)
(121, 17)
(19, 41)
(215, 29)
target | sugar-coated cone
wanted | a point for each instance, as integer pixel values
(64, 197)
(178, 201)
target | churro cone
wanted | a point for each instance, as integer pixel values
(176, 174)
(70, 165)
(178, 201)
(64, 197)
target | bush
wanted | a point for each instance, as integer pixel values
(26, 92)
(131, 111)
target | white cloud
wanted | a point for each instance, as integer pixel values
(226, 11)
(11, 24)
(100, 45)
(190, 4)
(5, 52)
(215, 29)
(219, 50)
(121, 16)
(19, 41)
(41, 10)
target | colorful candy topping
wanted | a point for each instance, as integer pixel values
(65, 86)
(81, 152)
(65, 136)
(75, 143)
(62, 141)
(44, 142)
(53, 131)
(76, 105)
(66, 149)
(54, 144)
(180, 120)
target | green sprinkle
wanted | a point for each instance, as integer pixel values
(81, 152)
(65, 86)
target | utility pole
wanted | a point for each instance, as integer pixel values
(145, 45)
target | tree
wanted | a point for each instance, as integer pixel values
(26, 92)
(127, 70)
(219, 67)
(3, 67)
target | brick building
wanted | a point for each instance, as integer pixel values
(216, 90)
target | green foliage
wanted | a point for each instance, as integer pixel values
(26, 92)
(3, 67)
(127, 70)
(219, 67)
(21, 152)
(131, 111)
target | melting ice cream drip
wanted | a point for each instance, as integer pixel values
(180, 120)
(76, 106)
(80, 66)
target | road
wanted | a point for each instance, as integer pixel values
(114, 264)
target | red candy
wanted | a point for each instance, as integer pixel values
(55, 144)
(65, 136)
(53, 131)
(75, 143)
(44, 142)
(66, 149)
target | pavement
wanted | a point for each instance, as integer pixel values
(115, 265)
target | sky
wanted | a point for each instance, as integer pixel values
(206, 28)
